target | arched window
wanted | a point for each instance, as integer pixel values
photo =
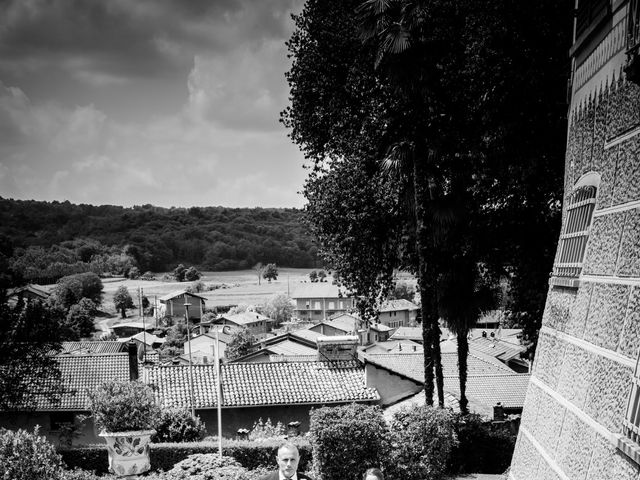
(575, 232)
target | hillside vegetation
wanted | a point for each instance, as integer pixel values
(43, 239)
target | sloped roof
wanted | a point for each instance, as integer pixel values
(408, 333)
(81, 373)
(148, 338)
(77, 348)
(306, 334)
(289, 347)
(398, 305)
(411, 365)
(179, 293)
(450, 401)
(509, 389)
(34, 289)
(261, 384)
(245, 318)
(319, 290)
(380, 327)
(345, 322)
(141, 325)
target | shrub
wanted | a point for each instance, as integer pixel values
(264, 430)
(28, 456)
(121, 406)
(482, 447)
(422, 439)
(178, 425)
(347, 440)
(208, 466)
(79, 474)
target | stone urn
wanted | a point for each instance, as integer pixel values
(128, 452)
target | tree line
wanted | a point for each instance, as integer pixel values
(48, 240)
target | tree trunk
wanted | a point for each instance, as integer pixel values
(463, 351)
(427, 282)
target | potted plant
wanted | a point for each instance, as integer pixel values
(125, 413)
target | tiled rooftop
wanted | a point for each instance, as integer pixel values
(398, 305)
(288, 347)
(257, 384)
(408, 333)
(487, 390)
(306, 334)
(92, 347)
(411, 365)
(85, 372)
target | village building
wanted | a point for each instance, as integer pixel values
(173, 305)
(398, 313)
(319, 301)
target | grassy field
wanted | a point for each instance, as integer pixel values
(240, 286)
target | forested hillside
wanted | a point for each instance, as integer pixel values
(36, 235)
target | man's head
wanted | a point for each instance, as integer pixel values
(288, 458)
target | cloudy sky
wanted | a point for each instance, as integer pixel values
(129, 102)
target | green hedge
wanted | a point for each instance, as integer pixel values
(483, 447)
(164, 456)
(346, 440)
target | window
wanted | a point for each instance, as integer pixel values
(629, 442)
(575, 233)
(332, 305)
(317, 305)
(589, 13)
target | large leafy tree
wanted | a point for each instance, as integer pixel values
(432, 92)
(122, 301)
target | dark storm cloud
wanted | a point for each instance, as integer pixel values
(131, 38)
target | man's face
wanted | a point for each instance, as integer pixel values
(288, 461)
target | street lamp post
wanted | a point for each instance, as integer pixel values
(186, 314)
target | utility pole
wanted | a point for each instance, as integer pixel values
(186, 314)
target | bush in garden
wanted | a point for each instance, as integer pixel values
(208, 466)
(79, 474)
(346, 440)
(178, 425)
(28, 456)
(422, 439)
(263, 430)
(121, 406)
(482, 447)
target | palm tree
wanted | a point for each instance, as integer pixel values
(409, 45)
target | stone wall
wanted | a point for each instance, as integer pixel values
(590, 338)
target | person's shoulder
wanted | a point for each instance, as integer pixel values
(302, 476)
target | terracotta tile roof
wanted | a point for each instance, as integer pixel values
(76, 348)
(85, 372)
(411, 365)
(257, 384)
(483, 392)
(487, 390)
(290, 348)
(398, 305)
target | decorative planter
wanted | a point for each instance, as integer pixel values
(128, 452)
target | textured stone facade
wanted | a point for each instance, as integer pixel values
(590, 339)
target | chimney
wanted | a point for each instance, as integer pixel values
(337, 348)
(132, 349)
